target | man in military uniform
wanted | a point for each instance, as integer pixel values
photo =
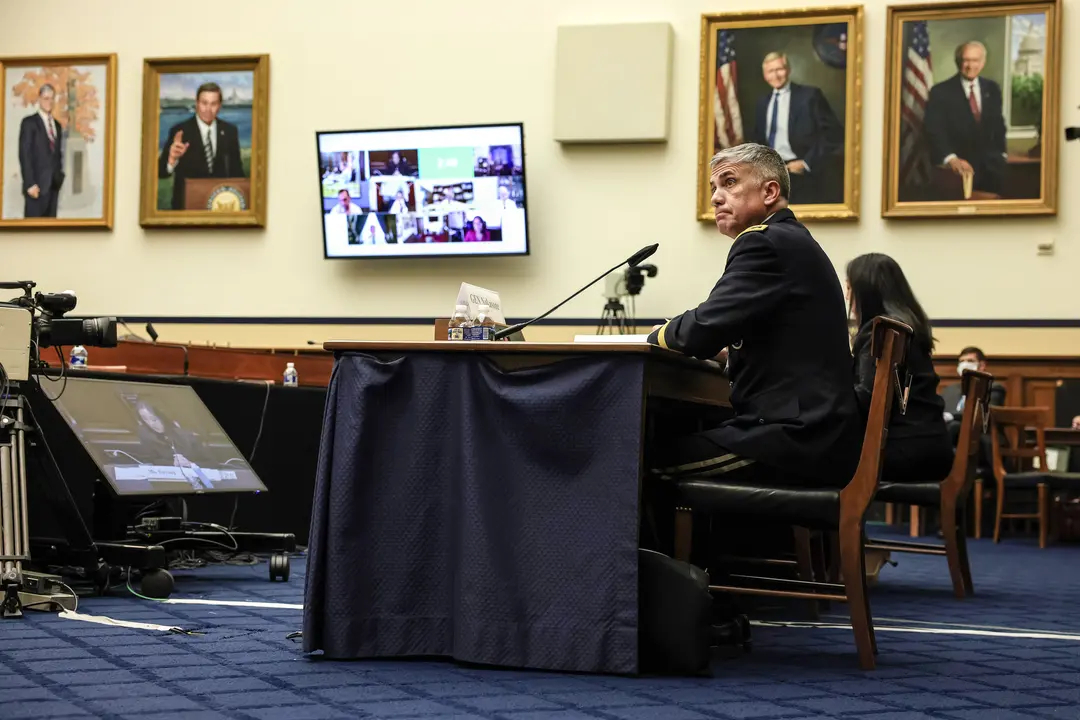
(779, 312)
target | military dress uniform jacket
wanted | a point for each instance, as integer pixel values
(780, 311)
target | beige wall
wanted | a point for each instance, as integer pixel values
(357, 65)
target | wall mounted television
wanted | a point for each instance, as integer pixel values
(423, 192)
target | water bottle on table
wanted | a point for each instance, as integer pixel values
(484, 326)
(79, 357)
(291, 378)
(455, 330)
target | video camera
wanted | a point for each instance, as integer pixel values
(36, 320)
(628, 282)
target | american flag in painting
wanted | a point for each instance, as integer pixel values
(914, 92)
(729, 130)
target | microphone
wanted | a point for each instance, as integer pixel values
(633, 260)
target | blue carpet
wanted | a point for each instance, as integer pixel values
(244, 667)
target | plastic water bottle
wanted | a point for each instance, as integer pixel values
(458, 322)
(291, 378)
(485, 324)
(79, 356)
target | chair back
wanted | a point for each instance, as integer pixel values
(1012, 423)
(975, 386)
(888, 346)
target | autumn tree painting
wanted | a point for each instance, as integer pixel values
(77, 99)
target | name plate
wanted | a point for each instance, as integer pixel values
(474, 296)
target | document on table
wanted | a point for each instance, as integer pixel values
(631, 339)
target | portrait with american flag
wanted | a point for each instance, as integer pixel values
(971, 116)
(791, 80)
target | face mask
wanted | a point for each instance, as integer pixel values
(966, 365)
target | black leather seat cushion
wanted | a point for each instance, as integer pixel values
(1056, 480)
(925, 494)
(805, 507)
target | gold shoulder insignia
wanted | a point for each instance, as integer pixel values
(752, 228)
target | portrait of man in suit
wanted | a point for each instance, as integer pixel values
(41, 157)
(202, 146)
(965, 122)
(797, 121)
(789, 80)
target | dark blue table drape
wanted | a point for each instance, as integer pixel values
(484, 514)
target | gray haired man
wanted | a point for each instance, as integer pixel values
(779, 311)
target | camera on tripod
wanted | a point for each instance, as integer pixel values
(628, 282)
(36, 320)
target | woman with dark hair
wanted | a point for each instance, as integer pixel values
(478, 232)
(918, 448)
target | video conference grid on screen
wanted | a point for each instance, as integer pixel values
(151, 439)
(438, 191)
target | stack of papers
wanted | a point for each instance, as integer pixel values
(631, 339)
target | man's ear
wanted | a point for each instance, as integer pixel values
(772, 192)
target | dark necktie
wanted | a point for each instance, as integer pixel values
(51, 132)
(209, 151)
(974, 103)
(773, 116)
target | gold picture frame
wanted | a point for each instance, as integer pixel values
(822, 44)
(222, 181)
(75, 152)
(1008, 129)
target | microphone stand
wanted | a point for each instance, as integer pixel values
(632, 260)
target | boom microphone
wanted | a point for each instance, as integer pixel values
(633, 260)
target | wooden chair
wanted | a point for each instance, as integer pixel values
(950, 495)
(841, 510)
(1013, 423)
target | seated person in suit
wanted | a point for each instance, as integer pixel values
(778, 308)
(971, 358)
(918, 448)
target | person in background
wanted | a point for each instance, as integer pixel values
(971, 358)
(397, 165)
(345, 205)
(399, 205)
(478, 232)
(919, 448)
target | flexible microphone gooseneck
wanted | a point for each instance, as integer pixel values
(633, 260)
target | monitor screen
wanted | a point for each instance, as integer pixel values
(429, 192)
(153, 439)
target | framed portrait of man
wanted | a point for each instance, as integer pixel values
(789, 79)
(971, 109)
(57, 141)
(205, 141)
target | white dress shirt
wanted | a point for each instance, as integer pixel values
(783, 115)
(203, 127)
(969, 86)
(50, 125)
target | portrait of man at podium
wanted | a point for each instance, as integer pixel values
(204, 145)
(207, 121)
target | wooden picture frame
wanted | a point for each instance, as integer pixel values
(821, 51)
(58, 173)
(183, 99)
(945, 159)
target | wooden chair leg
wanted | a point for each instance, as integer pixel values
(915, 523)
(1000, 510)
(684, 533)
(821, 567)
(1044, 514)
(978, 508)
(853, 563)
(890, 514)
(955, 550)
(804, 561)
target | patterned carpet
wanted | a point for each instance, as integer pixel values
(245, 667)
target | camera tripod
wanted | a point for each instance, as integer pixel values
(14, 533)
(613, 319)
